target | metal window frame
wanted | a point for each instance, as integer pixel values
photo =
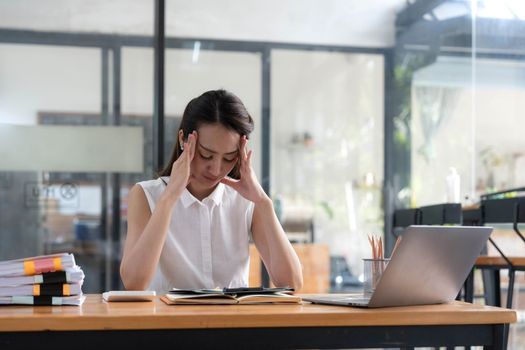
(115, 42)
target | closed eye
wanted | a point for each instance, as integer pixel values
(204, 157)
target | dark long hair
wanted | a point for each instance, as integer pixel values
(215, 106)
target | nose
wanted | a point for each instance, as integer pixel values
(215, 167)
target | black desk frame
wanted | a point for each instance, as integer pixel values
(491, 336)
(505, 210)
(492, 210)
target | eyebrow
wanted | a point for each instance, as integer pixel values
(212, 151)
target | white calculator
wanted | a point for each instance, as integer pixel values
(129, 295)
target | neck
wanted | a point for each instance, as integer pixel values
(200, 193)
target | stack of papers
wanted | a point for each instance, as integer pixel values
(41, 280)
(231, 296)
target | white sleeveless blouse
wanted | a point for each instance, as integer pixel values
(207, 244)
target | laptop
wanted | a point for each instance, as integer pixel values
(429, 266)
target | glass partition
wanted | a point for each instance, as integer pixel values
(190, 72)
(327, 149)
(61, 73)
(458, 92)
(83, 64)
(465, 89)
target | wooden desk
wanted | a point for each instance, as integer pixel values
(498, 262)
(143, 325)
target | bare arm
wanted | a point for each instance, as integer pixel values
(277, 253)
(147, 230)
(146, 235)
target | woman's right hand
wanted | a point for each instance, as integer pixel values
(180, 175)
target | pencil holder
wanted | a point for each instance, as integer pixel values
(373, 269)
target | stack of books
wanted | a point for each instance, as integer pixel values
(41, 280)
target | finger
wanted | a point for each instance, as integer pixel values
(184, 158)
(249, 158)
(246, 164)
(193, 143)
(240, 154)
(245, 146)
(229, 181)
(186, 150)
(186, 144)
(241, 146)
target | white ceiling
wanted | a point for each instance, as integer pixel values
(367, 23)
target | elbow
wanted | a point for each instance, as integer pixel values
(131, 285)
(297, 276)
(290, 279)
(125, 276)
(297, 282)
(130, 280)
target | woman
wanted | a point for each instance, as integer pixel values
(190, 227)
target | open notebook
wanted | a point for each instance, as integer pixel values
(231, 296)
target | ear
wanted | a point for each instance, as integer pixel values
(181, 137)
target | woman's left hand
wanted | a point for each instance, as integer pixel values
(247, 185)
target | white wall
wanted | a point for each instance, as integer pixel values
(339, 22)
(115, 16)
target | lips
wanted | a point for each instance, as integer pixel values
(211, 179)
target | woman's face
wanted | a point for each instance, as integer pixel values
(216, 154)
